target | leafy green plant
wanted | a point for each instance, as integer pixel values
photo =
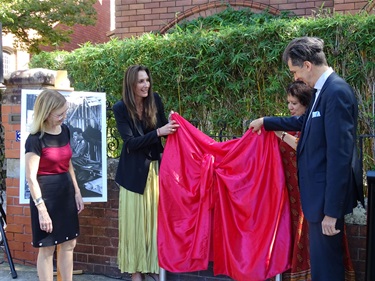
(227, 67)
(35, 23)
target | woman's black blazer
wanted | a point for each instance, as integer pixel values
(139, 147)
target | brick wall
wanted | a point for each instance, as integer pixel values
(94, 34)
(18, 228)
(135, 17)
(349, 6)
(357, 246)
(96, 249)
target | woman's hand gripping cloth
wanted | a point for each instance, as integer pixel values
(223, 201)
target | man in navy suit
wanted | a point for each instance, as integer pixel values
(325, 154)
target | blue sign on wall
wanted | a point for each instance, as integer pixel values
(18, 135)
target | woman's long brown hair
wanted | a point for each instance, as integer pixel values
(128, 96)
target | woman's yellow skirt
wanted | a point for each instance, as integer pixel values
(137, 249)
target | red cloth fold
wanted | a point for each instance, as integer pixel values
(223, 201)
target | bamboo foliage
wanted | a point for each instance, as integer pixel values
(227, 66)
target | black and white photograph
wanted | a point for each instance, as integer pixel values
(86, 120)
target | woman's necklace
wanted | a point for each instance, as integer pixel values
(140, 110)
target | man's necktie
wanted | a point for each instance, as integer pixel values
(307, 123)
(312, 107)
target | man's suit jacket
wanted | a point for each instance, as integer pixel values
(139, 147)
(325, 151)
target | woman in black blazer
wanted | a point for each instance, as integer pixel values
(141, 122)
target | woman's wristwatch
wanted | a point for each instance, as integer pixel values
(283, 135)
(38, 201)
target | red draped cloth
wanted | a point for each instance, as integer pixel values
(223, 201)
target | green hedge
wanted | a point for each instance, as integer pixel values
(227, 66)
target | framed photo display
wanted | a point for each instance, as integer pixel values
(86, 120)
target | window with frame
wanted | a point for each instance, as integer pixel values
(8, 63)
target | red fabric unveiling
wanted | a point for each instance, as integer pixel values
(223, 201)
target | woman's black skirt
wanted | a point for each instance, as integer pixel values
(59, 197)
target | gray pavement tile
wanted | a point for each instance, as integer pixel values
(29, 273)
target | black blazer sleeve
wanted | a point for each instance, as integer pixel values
(283, 123)
(131, 133)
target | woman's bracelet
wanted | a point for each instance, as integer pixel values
(283, 135)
